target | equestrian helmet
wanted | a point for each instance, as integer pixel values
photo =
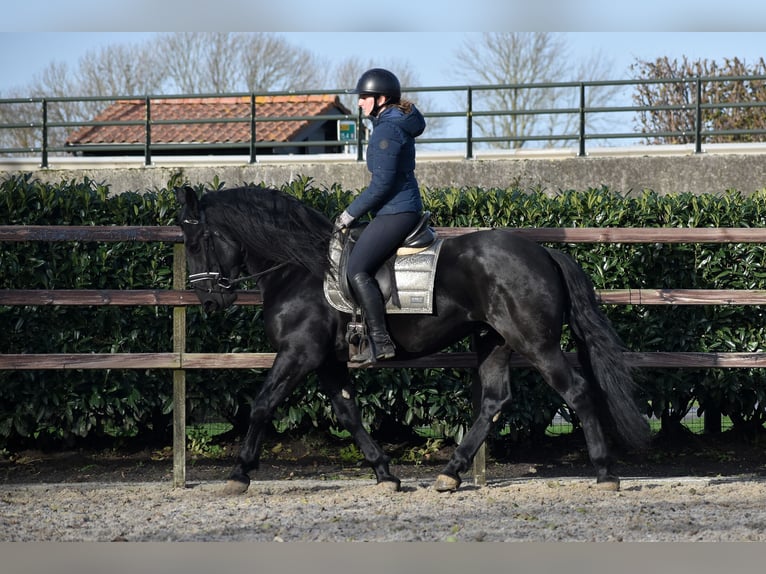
(379, 82)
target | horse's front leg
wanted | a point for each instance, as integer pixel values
(281, 380)
(335, 381)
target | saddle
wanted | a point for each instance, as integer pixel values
(405, 280)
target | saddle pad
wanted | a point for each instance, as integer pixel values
(415, 273)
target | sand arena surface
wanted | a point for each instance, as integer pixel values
(537, 509)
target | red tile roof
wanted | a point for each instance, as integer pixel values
(205, 109)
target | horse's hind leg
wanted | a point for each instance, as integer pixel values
(494, 374)
(335, 381)
(581, 397)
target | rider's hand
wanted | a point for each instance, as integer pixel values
(343, 221)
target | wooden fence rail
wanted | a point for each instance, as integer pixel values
(179, 297)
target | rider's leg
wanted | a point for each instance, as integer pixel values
(370, 299)
(377, 243)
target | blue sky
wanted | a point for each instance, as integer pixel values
(27, 53)
(424, 33)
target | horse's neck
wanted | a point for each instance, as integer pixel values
(275, 276)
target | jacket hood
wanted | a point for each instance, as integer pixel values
(412, 123)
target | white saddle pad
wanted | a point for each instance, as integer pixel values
(415, 273)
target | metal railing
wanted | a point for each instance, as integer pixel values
(39, 126)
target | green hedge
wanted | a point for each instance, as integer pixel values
(46, 408)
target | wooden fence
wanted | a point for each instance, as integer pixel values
(179, 297)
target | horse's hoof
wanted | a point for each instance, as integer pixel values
(235, 487)
(388, 485)
(609, 484)
(446, 483)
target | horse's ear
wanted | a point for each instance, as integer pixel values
(187, 197)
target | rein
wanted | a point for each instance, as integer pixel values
(225, 282)
(214, 276)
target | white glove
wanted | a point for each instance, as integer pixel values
(343, 220)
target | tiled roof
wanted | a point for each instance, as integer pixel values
(205, 109)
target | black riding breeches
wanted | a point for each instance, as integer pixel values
(379, 241)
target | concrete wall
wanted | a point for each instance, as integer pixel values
(668, 170)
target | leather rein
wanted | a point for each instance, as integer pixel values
(215, 277)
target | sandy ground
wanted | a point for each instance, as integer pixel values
(537, 509)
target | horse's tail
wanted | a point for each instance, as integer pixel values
(600, 350)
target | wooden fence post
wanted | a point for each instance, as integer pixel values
(179, 298)
(179, 375)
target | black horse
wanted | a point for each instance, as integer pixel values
(512, 293)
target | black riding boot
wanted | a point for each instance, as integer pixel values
(370, 299)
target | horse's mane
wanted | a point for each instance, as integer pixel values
(272, 225)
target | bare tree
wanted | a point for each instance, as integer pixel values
(201, 62)
(120, 69)
(55, 81)
(670, 107)
(19, 117)
(347, 74)
(515, 63)
(348, 71)
(112, 70)
(271, 63)
(220, 62)
(181, 62)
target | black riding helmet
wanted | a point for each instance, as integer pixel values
(379, 82)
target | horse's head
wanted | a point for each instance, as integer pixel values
(213, 259)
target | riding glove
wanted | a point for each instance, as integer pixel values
(343, 220)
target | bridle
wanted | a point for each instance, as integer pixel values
(216, 278)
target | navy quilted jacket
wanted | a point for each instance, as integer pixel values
(391, 161)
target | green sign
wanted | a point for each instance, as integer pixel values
(346, 130)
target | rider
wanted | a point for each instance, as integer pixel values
(392, 198)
